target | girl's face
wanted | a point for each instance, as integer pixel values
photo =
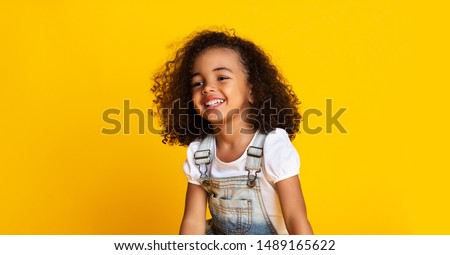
(219, 86)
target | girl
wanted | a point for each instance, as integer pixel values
(222, 96)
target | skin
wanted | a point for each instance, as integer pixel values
(219, 75)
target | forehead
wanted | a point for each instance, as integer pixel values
(217, 57)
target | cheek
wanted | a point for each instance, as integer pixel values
(196, 98)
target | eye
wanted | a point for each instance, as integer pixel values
(198, 83)
(222, 78)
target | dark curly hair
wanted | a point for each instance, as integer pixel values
(274, 102)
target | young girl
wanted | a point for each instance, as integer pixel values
(222, 96)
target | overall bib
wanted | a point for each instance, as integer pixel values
(235, 203)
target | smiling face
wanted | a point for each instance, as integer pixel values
(219, 86)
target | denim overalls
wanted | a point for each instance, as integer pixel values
(235, 203)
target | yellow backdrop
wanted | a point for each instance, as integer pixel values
(64, 63)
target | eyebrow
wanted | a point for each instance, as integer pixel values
(214, 70)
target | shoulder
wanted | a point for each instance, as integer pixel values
(193, 146)
(278, 142)
(277, 136)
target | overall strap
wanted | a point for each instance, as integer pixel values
(254, 158)
(203, 155)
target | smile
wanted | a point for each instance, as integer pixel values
(214, 102)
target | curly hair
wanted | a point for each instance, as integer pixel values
(274, 102)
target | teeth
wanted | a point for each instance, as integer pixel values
(214, 102)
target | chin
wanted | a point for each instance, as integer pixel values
(213, 119)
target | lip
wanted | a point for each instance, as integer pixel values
(207, 99)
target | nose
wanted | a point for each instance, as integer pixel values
(208, 87)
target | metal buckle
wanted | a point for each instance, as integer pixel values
(202, 154)
(251, 182)
(202, 157)
(256, 152)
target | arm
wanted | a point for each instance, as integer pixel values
(194, 211)
(293, 206)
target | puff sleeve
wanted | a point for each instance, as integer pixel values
(190, 168)
(281, 159)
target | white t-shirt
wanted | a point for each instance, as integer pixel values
(280, 161)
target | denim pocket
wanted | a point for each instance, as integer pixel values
(231, 216)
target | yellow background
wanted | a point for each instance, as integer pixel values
(62, 63)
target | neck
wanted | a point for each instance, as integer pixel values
(234, 135)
